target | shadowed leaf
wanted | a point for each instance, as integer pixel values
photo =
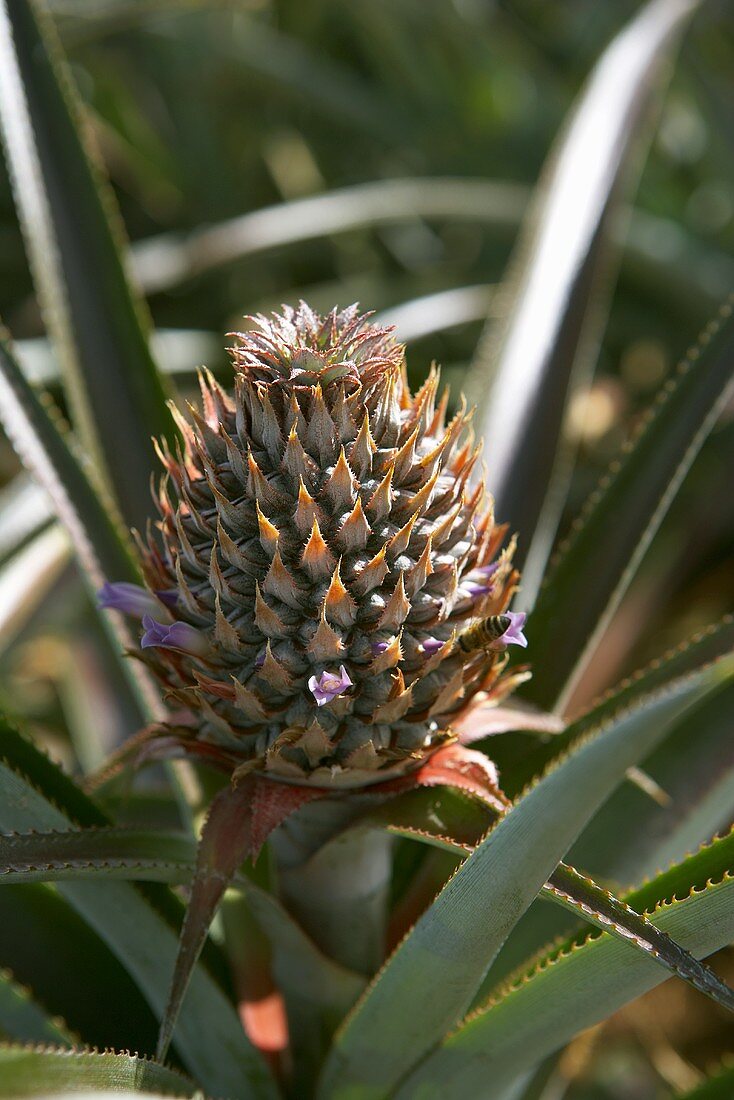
(593, 569)
(25, 1021)
(136, 924)
(70, 227)
(702, 648)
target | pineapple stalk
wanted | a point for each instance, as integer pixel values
(339, 895)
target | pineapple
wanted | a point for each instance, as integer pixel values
(325, 569)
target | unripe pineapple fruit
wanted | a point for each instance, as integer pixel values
(322, 550)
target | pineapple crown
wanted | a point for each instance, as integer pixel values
(326, 591)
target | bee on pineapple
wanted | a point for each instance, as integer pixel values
(484, 633)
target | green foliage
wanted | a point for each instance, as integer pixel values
(480, 978)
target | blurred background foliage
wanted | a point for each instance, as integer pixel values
(203, 112)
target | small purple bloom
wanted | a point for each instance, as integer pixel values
(432, 645)
(173, 636)
(131, 599)
(513, 635)
(487, 571)
(260, 659)
(167, 596)
(379, 647)
(328, 685)
(474, 588)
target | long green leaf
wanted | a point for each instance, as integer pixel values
(631, 837)
(27, 578)
(553, 309)
(24, 512)
(162, 262)
(48, 946)
(453, 944)
(39, 443)
(27, 1071)
(165, 261)
(24, 1020)
(210, 1040)
(593, 569)
(99, 853)
(100, 548)
(708, 645)
(574, 987)
(566, 886)
(71, 226)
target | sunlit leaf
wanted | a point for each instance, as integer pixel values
(553, 294)
(25, 1071)
(400, 1018)
(573, 988)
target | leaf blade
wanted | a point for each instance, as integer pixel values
(549, 329)
(70, 225)
(633, 498)
(569, 989)
(372, 1052)
(27, 1071)
(210, 1040)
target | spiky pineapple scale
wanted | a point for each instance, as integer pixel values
(322, 518)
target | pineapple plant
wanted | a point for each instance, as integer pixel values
(323, 560)
(318, 630)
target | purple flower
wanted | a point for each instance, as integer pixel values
(379, 647)
(128, 598)
(132, 599)
(474, 588)
(328, 685)
(432, 645)
(487, 571)
(513, 635)
(173, 636)
(168, 596)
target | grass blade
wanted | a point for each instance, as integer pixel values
(452, 945)
(593, 569)
(550, 327)
(70, 227)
